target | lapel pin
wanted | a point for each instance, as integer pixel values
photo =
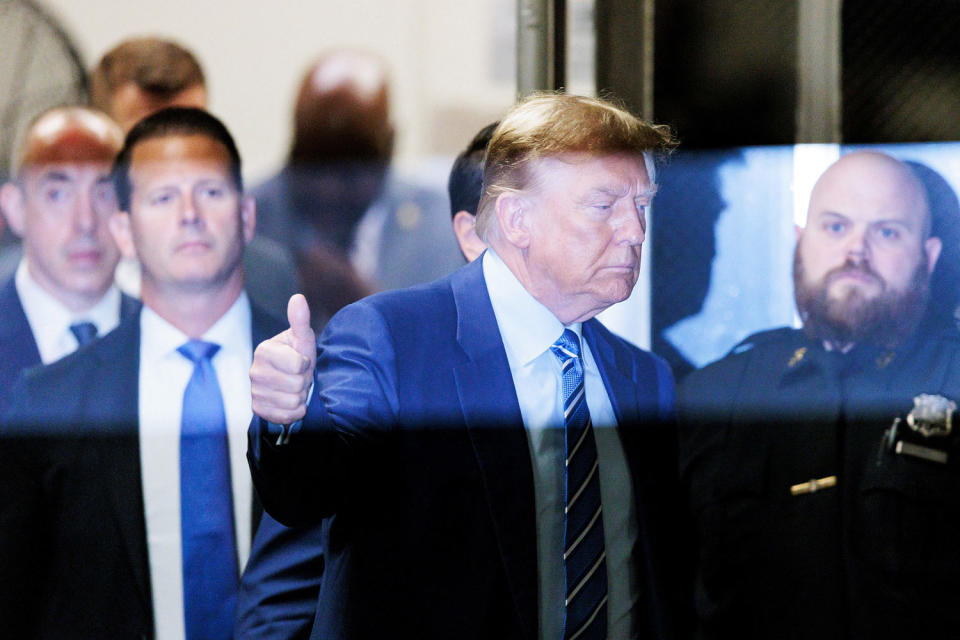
(797, 357)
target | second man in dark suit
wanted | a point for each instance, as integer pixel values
(129, 475)
(59, 202)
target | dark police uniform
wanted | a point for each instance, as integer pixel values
(811, 519)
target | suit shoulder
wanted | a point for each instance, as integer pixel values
(614, 340)
(400, 190)
(50, 395)
(265, 324)
(766, 339)
(625, 348)
(419, 301)
(76, 366)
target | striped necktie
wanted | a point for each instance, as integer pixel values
(584, 557)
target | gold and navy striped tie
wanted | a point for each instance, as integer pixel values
(584, 557)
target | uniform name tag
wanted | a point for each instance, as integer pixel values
(918, 451)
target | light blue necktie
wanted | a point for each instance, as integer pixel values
(585, 568)
(84, 332)
(209, 549)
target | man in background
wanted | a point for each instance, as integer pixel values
(140, 76)
(465, 186)
(125, 505)
(354, 226)
(59, 202)
(821, 462)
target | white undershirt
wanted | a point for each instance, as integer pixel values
(164, 374)
(50, 320)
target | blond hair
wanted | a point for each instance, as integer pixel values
(549, 124)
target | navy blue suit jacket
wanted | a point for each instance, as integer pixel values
(18, 348)
(71, 486)
(281, 582)
(414, 451)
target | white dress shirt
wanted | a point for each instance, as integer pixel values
(528, 329)
(164, 374)
(50, 320)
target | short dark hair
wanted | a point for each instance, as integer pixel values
(159, 67)
(466, 177)
(173, 121)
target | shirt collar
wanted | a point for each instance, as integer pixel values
(159, 339)
(49, 318)
(526, 326)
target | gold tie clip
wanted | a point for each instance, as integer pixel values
(813, 485)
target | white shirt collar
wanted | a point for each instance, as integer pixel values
(159, 339)
(527, 327)
(50, 319)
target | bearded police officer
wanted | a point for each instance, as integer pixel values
(822, 463)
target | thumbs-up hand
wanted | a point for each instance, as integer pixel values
(282, 369)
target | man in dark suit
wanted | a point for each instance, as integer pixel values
(59, 201)
(128, 456)
(465, 186)
(353, 225)
(441, 433)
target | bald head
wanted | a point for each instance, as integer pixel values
(871, 180)
(60, 203)
(343, 109)
(69, 135)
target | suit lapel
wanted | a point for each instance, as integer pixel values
(492, 416)
(119, 355)
(129, 306)
(622, 389)
(633, 388)
(17, 343)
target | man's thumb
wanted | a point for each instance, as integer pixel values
(298, 314)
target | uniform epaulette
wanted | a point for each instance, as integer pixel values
(759, 338)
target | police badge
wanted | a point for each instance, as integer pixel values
(930, 422)
(932, 415)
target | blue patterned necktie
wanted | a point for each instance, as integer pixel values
(585, 568)
(84, 332)
(209, 550)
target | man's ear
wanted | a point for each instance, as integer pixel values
(13, 207)
(932, 246)
(122, 234)
(470, 243)
(248, 217)
(513, 218)
(797, 232)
